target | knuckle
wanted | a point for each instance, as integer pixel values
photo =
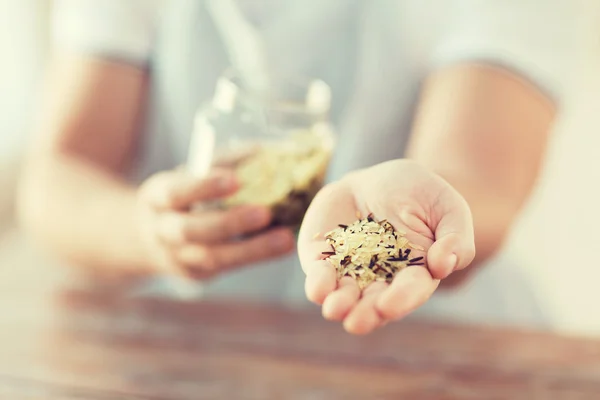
(210, 184)
(207, 260)
(167, 260)
(184, 230)
(201, 258)
(159, 189)
(172, 197)
(207, 187)
(171, 228)
(232, 222)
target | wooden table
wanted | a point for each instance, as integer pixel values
(96, 346)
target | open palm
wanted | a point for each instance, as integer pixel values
(414, 200)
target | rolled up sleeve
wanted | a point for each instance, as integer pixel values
(535, 38)
(120, 29)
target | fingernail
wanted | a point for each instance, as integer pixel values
(256, 216)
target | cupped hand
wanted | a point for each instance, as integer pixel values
(414, 200)
(205, 242)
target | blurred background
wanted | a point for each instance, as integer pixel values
(23, 49)
(564, 210)
(23, 26)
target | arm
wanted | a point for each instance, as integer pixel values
(481, 128)
(485, 130)
(73, 197)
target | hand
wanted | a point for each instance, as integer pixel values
(412, 199)
(204, 243)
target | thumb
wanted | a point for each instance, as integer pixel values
(178, 189)
(454, 246)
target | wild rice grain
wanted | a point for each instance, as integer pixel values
(366, 251)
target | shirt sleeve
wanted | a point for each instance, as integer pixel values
(121, 29)
(534, 38)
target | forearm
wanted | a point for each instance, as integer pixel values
(83, 214)
(73, 197)
(485, 131)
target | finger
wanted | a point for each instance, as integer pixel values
(333, 205)
(321, 280)
(364, 317)
(196, 261)
(179, 189)
(166, 263)
(180, 228)
(454, 246)
(411, 288)
(339, 303)
(274, 243)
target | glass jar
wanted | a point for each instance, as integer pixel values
(276, 136)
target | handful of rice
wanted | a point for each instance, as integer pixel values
(369, 250)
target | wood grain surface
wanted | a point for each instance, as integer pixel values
(84, 345)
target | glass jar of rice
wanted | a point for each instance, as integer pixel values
(277, 138)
